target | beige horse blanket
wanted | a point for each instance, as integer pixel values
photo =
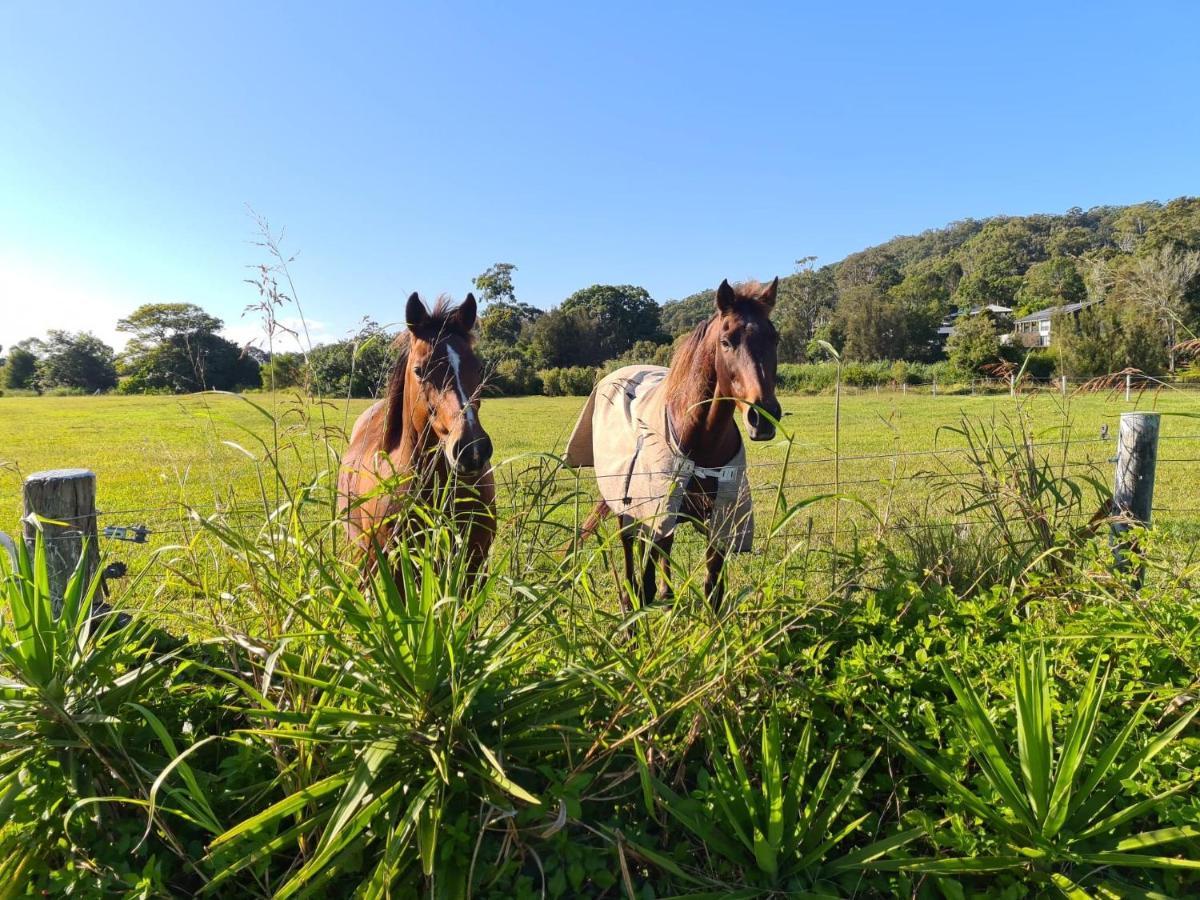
(624, 432)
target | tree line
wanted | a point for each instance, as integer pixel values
(1135, 268)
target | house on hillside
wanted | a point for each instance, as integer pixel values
(1033, 330)
(1000, 315)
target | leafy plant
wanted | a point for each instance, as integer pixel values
(1059, 815)
(422, 704)
(772, 823)
(76, 728)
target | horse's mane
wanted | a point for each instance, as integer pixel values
(440, 318)
(684, 361)
(393, 423)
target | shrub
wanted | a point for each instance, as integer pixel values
(514, 377)
(572, 381)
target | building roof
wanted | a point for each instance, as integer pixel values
(1043, 314)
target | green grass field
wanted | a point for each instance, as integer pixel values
(150, 453)
(897, 455)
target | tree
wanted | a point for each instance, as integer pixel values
(21, 370)
(183, 364)
(623, 315)
(566, 337)
(503, 322)
(77, 360)
(154, 323)
(1161, 282)
(806, 301)
(872, 325)
(175, 348)
(681, 316)
(974, 343)
(283, 370)
(996, 258)
(1051, 282)
(358, 367)
(495, 283)
(1108, 337)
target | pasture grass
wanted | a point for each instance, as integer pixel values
(152, 455)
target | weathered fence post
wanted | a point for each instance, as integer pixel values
(67, 496)
(934, 390)
(1133, 490)
(1128, 385)
(904, 388)
(1063, 381)
(1012, 385)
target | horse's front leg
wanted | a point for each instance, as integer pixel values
(661, 553)
(475, 512)
(714, 583)
(628, 535)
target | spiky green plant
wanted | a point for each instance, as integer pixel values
(1055, 806)
(774, 823)
(425, 700)
(76, 726)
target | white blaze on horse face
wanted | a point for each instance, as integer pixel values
(455, 362)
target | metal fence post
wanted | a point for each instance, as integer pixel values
(1128, 384)
(1133, 489)
(1012, 385)
(67, 496)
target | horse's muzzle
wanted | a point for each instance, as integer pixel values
(472, 455)
(761, 427)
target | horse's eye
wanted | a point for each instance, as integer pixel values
(726, 344)
(419, 371)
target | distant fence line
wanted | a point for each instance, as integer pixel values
(1061, 384)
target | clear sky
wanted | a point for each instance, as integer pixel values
(407, 148)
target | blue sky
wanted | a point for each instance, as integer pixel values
(666, 145)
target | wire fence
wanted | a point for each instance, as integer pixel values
(541, 502)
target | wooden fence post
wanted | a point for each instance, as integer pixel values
(935, 387)
(1128, 384)
(1012, 385)
(1063, 379)
(1133, 490)
(67, 496)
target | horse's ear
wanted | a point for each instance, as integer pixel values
(415, 312)
(768, 293)
(464, 316)
(725, 297)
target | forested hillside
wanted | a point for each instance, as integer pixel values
(885, 302)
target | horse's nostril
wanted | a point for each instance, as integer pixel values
(753, 418)
(474, 455)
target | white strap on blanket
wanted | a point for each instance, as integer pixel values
(685, 468)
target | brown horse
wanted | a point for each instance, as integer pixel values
(424, 438)
(728, 363)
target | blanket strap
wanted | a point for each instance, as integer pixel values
(685, 468)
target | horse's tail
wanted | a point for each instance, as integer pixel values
(590, 525)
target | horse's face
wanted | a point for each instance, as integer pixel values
(444, 379)
(746, 354)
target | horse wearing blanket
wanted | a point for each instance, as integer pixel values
(666, 446)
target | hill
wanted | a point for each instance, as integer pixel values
(886, 301)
